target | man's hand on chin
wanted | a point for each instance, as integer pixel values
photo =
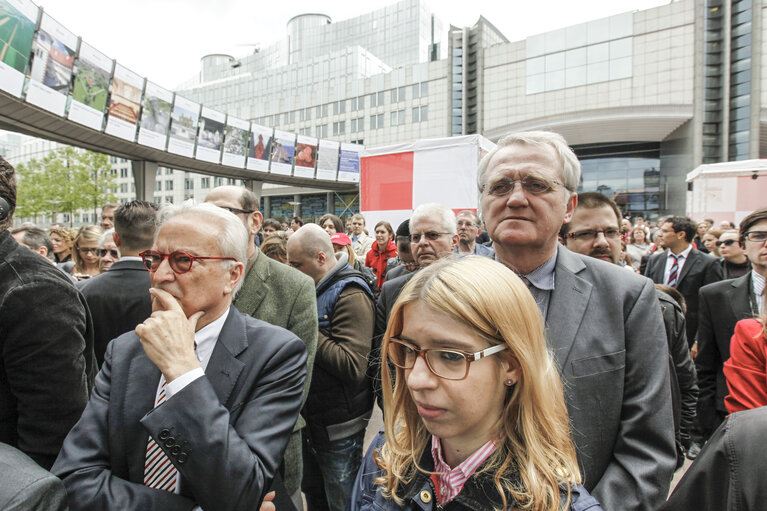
(167, 336)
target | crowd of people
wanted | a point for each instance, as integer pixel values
(543, 352)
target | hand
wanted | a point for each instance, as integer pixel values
(694, 351)
(167, 336)
(267, 504)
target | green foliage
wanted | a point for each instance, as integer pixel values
(65, 181)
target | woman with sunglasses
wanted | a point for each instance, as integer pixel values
(475, 418)
(86, 252)
(108, 251)
(734, 261)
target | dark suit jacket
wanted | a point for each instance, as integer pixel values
(46, 353)
(605, 329)
(118, 300)
(25, 486)
(722, 304)
(231, 425)
(699, 269)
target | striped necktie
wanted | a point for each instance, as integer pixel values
(674, 273)
(159, 472)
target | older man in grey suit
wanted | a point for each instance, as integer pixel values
(280, 295)
(603, 323)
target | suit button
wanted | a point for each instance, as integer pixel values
(425, 496)
(175, 450)
(165, 433)
(170, 442)
(181, 458)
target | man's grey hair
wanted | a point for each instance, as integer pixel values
(474, 217)
(106, 235)
(34, 238)
(436, 212)
(571, 167)
(232, 236)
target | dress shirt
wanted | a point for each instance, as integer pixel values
(757, 281)
(541, 282)
(479, 249)
(131, 258)
(681, 258)
(451, 480)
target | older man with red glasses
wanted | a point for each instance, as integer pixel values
(194, 409)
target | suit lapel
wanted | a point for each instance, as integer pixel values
(739, 299)
(224, 368)
(658, 269)
(143, 379)
(693, 261)
(254, 288)
(567, 305)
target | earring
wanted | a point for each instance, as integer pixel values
(509, 383)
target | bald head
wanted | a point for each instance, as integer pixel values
(311, 252)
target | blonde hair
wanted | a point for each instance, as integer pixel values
(87, 233)
(534, 454)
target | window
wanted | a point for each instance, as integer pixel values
(358, 103)
(168, 171)
(377, 99)
(188, 184)
(124, 188)
(339, 128)
(322, 131)
(398, 95)
(218, 181)
(376, 121)
(424, 113)
(168, 185)
(305, 131)
(158, 186)
(205, 182)
(416, 114)
(358, 125)
(123, 172)
(339, 107)
(322, 111)
(398, 117)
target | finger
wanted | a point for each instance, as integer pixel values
(164, 299)
(269, 496)
(194, 318)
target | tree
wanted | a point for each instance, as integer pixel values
(65, 181)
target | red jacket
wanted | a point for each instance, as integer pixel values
(746, 370)
(376, 260)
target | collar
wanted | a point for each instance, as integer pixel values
(251, 261)
(131, 258)
(684, 254)
(342, 259)
(757, 281)
(543, 276)
(452, 480)
(206, 337)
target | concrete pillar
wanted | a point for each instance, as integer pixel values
(267, 212)
(331, 202)
(144, 175)
(297, 205)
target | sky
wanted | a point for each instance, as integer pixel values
(164, 40)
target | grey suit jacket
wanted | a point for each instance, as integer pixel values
(722, 304)
(225, 432)
(25, 486)
(699, 270)
(605, 329)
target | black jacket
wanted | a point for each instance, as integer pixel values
(47, 365)
(118, 300)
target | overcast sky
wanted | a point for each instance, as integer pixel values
(164, 39)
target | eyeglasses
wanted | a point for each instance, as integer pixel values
(112, 252)
(447, 364)
(237, 210)
(757, 236)
(88, 250)
(726, 243)
(534, 185)
(430, 236)
(179, 261)
(591, 234)
(466, 224)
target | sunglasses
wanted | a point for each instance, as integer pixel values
(112, 252)
(726, 243)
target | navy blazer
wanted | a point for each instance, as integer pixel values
(230, 427)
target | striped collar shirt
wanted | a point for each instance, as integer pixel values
(451, 481)
(757, 281)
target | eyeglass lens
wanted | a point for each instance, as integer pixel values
(180, 262)
(758, 236)
(112, 252)
(448, 364)
(726, 243)
(431, 236)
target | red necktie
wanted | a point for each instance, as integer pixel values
(159, 472)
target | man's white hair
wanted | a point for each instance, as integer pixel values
(435, 211)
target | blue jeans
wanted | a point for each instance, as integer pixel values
(330, 470)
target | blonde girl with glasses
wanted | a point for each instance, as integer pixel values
(86, 252)
(475, 416)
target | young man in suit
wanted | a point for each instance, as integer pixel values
(683, 267)
(280, 295)
(195, 408)
(723, 304)
(603, 323)
(119, 298)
